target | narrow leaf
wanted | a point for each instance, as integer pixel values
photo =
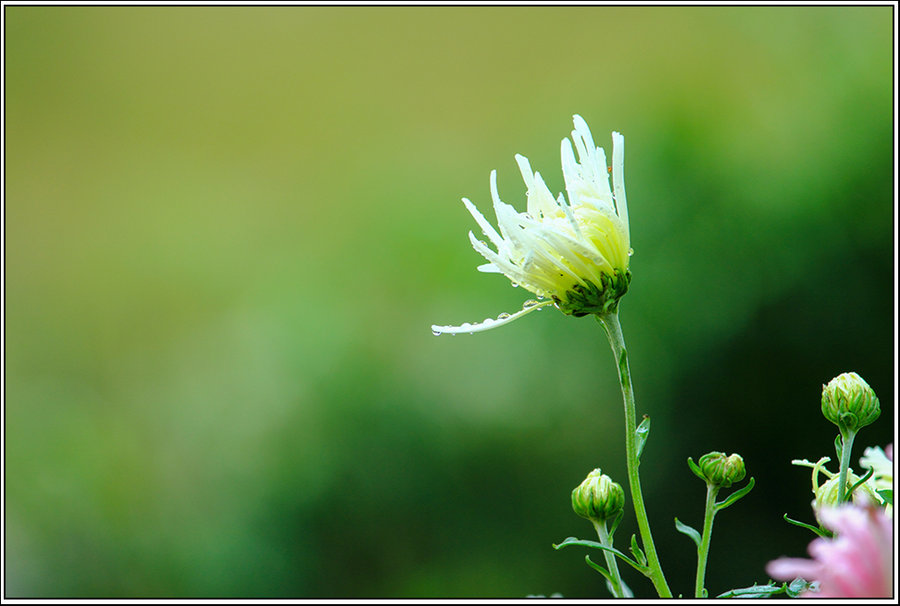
(637, 552)
(736, 495)
(818, 531)
(615, 523)
(641, 434)
(756, 591)
(839, 446)
(687, 530)
(860, 481)
(573, 541)
(599, 569)
(887, 495)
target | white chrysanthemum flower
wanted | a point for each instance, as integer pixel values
(572, 253)
(882, 477)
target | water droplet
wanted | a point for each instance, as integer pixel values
(529, 304)
(630, 251)
(514, 285)
(435, 332)
(503, 316)
(488, 321)
(465, 325)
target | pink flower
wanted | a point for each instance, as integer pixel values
(856, 563)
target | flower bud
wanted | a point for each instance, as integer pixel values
(849, 402)
(827, 493)
(721, 470)
(598, 497)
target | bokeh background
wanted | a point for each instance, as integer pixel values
(228, 231)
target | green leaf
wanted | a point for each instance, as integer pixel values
(839, 446)
(637, 552)
(696, 469)
(886, 494)
(685, 529)
(818, 531)
(641, 434)
(615, 523)
(736, 495)
(599, 569)
(573, 541)
(756, 591)
(796, 587)
(860, 481)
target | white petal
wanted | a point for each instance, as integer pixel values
(489, 268)
(486, 227)
(618, 167)
(489, 323)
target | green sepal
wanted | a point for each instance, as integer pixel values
(594, 544)
(641, 434)
(839, 446)
(637, 552)
(696, 469)
(818, 531)
(736, 495)
(687, 530)
(887, 494)
(867, 475)
(589, 298)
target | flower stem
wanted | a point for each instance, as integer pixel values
(703, 548)
(606, 540)
(610, 323)
(846, 447)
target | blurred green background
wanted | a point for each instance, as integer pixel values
(229, 229)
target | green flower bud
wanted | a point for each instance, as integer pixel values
(721, 470)
(849, 402)
(598, 497)
(827, 493)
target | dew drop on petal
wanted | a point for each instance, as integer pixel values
(514, 285)
(630, 251)
(529, 304)
(435, 332)
(503, 316)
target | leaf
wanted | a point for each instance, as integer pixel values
(756, 591)
(573, 541)
(615, 523)
(736, 495)
(601, 570)
(818, 531)
(886, 494)
(641, 434)
(637, 552)
(685, 529)
(696, 469)
(860, 481)
(839, 446)
(796, 587)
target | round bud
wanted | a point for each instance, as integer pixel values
(849, 402)
(827, 493)
(598, 497)
(721, 470)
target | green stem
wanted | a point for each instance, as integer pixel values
(703, 548)
(606, 540)
(610, 322)
(846, 447)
